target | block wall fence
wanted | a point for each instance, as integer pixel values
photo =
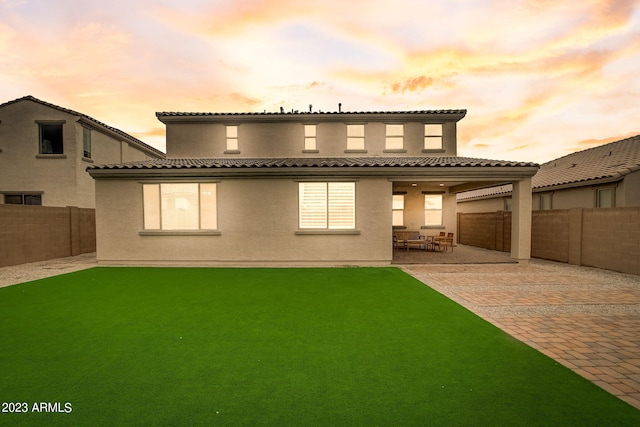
(38, 233)
(602, 238)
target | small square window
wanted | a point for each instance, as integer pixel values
(433, 137)
(394, 137)
(605, 198)
(355, 137)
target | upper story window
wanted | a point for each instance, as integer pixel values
(355, 137)
(232, 138)
(310, 138)
(433, 137)
(398, 210)
(180, 206)
(86, 143)
(327, 205)
(51, 141)
(394, 137)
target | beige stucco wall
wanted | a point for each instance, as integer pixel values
(286, 139)
(63, 180)
(414, 209)
(257, 220)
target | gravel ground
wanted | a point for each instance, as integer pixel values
(15, 274)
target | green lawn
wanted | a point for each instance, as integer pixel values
(326, 347)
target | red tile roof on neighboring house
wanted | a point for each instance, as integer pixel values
(314, 162)
(605, 163)
(124, 135)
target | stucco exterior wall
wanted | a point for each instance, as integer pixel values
(21, 167)
(62, 179)
(257, 221)
(286, 139)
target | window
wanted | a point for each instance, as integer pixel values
(433, 209)
(327, 205)
(355, 137)
(546, 201)
(394, 137)
(433, 137)
(86, 142)
(605, 198)
(232, 138)
(310, 137)
(398, 210)
(51, 138)
(180, 206)
(23, 199)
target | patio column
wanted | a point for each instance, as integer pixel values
(521, 221)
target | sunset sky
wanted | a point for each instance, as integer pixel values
(539, 78)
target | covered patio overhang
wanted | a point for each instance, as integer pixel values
(453, 180)
(444, 175)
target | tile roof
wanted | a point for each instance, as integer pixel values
(296, 112)
(89, 118)
(314, 162)
(603, 163)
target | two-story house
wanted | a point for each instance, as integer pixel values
(294, 188)
(45, 150)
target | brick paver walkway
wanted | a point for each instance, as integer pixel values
(587, 319)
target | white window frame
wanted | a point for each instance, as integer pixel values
(430, 200)
(155, 207)
(355, 137)
(327, 205)
(310, 138)
(397, 208)
(394, 136)
(433, 136)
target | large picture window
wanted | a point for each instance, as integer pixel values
(180, 206)
(327, 205)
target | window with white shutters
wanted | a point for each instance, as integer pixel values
(327, 205)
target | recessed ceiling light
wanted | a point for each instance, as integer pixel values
(441, 185)
(413, 184)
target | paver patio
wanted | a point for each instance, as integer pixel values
(587, 319)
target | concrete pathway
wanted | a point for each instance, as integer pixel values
(587, 319)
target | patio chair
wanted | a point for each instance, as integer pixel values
(444, 242)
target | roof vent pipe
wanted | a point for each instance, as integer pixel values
(339, 107)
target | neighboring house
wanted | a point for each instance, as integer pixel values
(294, 189)
(600, 177)
(45, 149)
